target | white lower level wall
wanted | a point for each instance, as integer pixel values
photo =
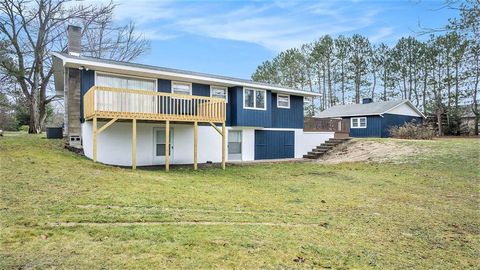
(114, 144)
(306, 141)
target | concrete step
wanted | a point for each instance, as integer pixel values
(320, 150)
(330, 143)
(338, 140)
(326, 147)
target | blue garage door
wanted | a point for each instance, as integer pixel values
(274, 144)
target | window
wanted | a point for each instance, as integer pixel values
(358, 122)
(283, 101)
(181, 88)
(254, 99)
(235, 145)
(219, 92)
(125, 82)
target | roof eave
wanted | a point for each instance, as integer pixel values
(70, 62)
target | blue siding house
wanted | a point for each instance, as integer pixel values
(125, 113)
(374, 119)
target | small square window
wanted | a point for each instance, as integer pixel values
(283, 101)
(219, 92)
(181, 88)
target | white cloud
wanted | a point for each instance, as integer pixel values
(273, 25)
(381, 34)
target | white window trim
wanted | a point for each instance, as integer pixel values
(255, 99)
(358, 121)
(217, 86)
(284, 107)
(179, 82)
(155, 82)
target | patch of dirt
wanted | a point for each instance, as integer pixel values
(370, 151)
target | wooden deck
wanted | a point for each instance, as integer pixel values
(115, 103)
(106, 102)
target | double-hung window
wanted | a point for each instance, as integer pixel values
(219, 92)
(182, 88)
(283, 101)
(254, 99)
(358, 122)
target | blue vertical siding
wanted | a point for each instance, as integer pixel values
(287, 118)
(200, 89)
(249, 117)
(272, 117)
(377, 126)
(87, 80)
(373, 129)
(164, 86)
(390, 120)
(271, 144)
(231, 105)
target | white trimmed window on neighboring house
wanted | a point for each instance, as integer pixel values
(283, 101)
(254, 99)
(219, 92)
(181, 88)
(358, 122)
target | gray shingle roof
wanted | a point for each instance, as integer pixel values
(374, 108)
(179, 71)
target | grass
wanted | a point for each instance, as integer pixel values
(60, 210)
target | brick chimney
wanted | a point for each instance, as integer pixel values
(367, 100)
(74, 40)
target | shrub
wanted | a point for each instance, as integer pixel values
(412, 130)
(24, 128)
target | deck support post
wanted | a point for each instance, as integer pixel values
(223, 145)
(134, 144)
(167, 146)
(94, 139)
(195, 145)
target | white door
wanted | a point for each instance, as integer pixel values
(235, 145)
(159, 145)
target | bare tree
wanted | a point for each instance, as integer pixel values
(33, 29)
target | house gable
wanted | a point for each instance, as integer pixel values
(404, 109)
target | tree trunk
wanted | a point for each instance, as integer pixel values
(385, 86)
(330, 97)
(34, 125)
(475, 92)
(343, 84)
(374, 84)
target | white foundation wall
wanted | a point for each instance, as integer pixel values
(306, 141)
(114, 144)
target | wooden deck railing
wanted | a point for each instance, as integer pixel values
(326, 124)
(106, 102)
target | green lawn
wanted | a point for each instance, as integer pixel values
(60, 210)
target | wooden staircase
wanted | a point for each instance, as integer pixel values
(320, 150)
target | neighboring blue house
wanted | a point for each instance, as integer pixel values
(373, 119)
(124, 113)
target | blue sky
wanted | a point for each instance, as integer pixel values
(233, 37)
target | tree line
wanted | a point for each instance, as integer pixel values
(440, 75)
